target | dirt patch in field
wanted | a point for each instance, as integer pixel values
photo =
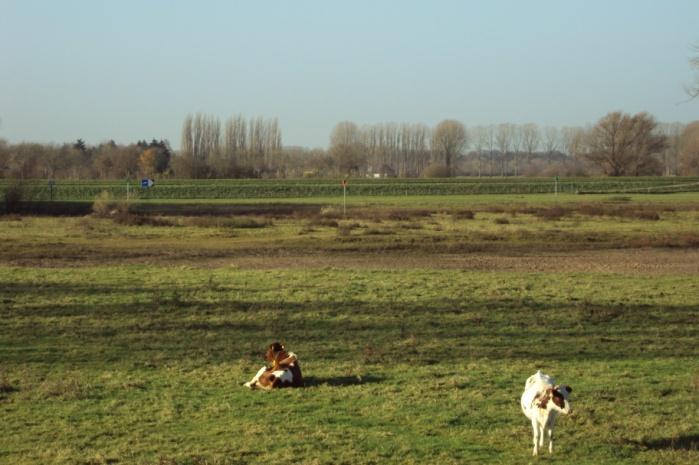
(641, 261)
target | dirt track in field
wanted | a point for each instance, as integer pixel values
(627, 261)
(636, 261)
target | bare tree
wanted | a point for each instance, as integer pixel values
(551, 141)
(480, 141)
(448, 141)
(347, 148)
(490, 136)
(393, 149)
(211, 140)
(572, 140)
(670, 156)
(420, 148)
(235, 140)
(187, 142)
(252, 148)
(256, 149)
(201, 136)
(689, 150)
(516, 145)
(530, 139)
(504, 141)
(624, 145)
(693, 90)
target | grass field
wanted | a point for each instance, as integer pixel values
(126, 339)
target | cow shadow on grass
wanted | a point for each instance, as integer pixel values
(340, 381)
(688, 442)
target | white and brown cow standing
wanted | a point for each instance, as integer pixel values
(541, 402)
(283, 371)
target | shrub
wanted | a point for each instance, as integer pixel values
(13, 197)
(501, 220)
(105, 206)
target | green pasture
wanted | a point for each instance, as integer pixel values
(125, 339)
(139, 364)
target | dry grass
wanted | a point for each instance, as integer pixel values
(244, 222)
(464, 215)
(130, 219)
(322, 221)
(398, 231)
(6, 387)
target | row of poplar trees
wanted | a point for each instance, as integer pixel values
(239, 147)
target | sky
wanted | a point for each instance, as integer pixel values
(132, 70)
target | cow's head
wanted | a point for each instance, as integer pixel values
(275, 352)
(555, 398)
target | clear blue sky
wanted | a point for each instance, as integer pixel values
(130, 70)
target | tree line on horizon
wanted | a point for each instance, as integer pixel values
(617, 145)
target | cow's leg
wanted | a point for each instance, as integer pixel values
(549, 427)
(550, 433)
(542, 436)
(535, 436)
(252, 384)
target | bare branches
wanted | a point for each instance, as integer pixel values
(531, 138)
(347, 148)
(503, 138)
(693, 90)
(246, 147)
(448, 140)
(624, 145)
(689, 150)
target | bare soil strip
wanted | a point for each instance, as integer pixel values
(625, 261)
(634, 261)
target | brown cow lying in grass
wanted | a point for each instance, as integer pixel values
(284, 370)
